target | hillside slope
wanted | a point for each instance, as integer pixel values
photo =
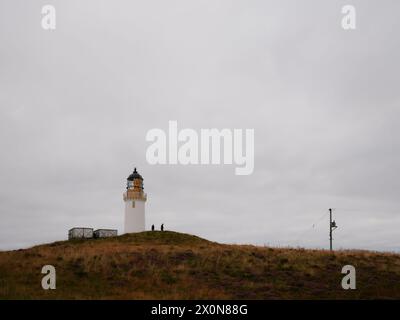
(170, 265)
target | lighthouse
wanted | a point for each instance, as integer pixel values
(135, 200)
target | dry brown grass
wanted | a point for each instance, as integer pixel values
(170, 265)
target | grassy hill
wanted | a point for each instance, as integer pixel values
(170, 265)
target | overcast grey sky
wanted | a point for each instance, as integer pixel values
(76, 104)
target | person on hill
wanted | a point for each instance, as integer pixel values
(162, 227)
(152, 227)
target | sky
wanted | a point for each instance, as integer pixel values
(77, 102)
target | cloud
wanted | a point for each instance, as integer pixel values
(76, 104)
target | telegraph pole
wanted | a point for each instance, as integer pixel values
(332, 226)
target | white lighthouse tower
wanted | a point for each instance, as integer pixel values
(135, 200)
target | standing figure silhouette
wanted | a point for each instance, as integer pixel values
(152, 227)
(162, 227)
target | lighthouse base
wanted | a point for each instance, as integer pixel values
(134, 216)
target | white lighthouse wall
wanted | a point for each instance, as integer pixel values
(134, 217)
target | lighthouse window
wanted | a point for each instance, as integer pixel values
(133, 204)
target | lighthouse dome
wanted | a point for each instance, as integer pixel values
(134, 175)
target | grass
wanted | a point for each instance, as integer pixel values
(170, 265)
